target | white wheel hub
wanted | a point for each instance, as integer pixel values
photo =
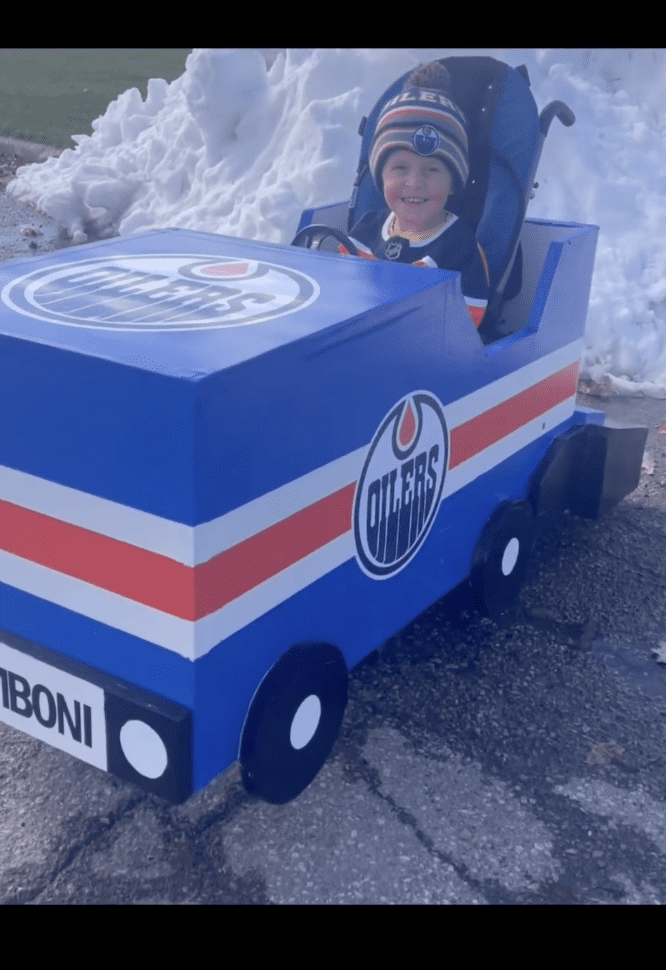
(305, 722)
(143, 748)
(510, 557)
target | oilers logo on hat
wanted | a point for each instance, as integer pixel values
(400, 488)
(425, 140)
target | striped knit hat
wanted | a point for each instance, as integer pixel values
(425, 121)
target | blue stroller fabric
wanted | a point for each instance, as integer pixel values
(504, 148)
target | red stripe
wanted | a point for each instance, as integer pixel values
(157, 581)
(496, 423)
(365, 254)
(431, 113)
(476, 313)
(484, 260)
(191, 593)
(226, 269)
(262, 556)
(108, 563)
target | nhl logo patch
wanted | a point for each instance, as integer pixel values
(400, 488)
(425, 140)
(393, 249)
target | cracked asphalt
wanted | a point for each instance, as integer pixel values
(479, 763)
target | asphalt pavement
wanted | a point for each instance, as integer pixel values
(479, 762)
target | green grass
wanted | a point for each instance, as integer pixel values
(48, 95)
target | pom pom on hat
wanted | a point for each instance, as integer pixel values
(423, 119)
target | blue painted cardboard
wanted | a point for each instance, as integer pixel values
(212, 449)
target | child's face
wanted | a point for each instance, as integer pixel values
(416, 189)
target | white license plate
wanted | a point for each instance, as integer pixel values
(53, 706)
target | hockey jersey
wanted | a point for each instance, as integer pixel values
(453, 247)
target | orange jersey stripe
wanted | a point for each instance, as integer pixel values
(484, 260)
(476, 313)
(363, 253)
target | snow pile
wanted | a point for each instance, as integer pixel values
(610, 169)
(229, 147)
(236, 148)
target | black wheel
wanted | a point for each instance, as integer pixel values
(293, 721)
(307, 236)
(501, 557)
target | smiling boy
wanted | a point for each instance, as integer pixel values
(418, 159)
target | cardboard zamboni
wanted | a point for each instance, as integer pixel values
(230, 470)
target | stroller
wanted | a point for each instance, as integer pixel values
(506, 135)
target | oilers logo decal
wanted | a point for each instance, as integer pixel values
(161, 292)
(425, 140)
(400, 487)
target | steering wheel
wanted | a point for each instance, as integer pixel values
(307, 236)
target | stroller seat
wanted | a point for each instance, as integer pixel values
(506, 136)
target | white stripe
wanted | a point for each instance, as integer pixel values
(489, 396)
(99, 604)
(195, 545)
(267, 510)
(138, 528)
(210, 630)
(187, 638)
(182, 543)
(194, 639)
(491, 456)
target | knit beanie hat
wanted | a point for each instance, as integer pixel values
(424, 120)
